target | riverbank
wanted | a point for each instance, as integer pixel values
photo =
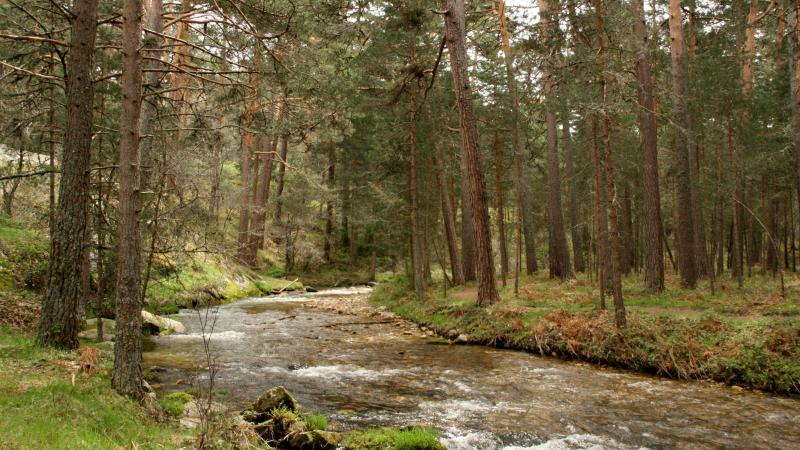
(749, 338)
(63, 399)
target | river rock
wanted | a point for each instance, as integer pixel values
(162, 324)
(311, 289)
(192, 414)
(269, 400)
(461, 339)
(316, 440)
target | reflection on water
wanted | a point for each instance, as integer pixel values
(368, 374)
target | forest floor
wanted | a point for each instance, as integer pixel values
(748, 337)
(63, 399)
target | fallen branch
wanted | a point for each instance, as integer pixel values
(28, 174)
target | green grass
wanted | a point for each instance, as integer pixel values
(173, 403)
(315, 422)
(414, 438)
(41, 408)
(749, 337)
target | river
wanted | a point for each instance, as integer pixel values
(365, 370)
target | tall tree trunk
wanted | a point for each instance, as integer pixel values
(557, 242)
(500, 205)
(259, 213)
(628, 242)
(523, 202)
(448, 219)
(152, 80)
(455, 33)
(467, 227)
(59, 323)
(685, 230)
(794, 60)
(572, 199)
(600, 217)
(243, 235)
(608, 161)
(281, 178)
(417, 257)
(651, 198)
(331, 181)
(127, 376)
(737, 254)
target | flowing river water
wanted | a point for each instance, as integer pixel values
(369, 370)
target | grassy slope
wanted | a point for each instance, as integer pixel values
(43, 409)
(749, 337)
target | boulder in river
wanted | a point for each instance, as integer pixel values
(269, 400)
(162, 324)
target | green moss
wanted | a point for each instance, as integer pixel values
(173, 403)
(43, 409)
(414, 438)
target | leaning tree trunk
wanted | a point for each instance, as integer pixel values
(59, 324)
(651, 199)
(455, 33)
(685, 230)
(127, 376)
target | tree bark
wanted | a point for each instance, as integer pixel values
(651, 198)
(467, 227)
(127, 376)
(455, 33)
(685, 230)
(59, 323)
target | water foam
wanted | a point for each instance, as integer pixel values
(215, 336)
(345, 371)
